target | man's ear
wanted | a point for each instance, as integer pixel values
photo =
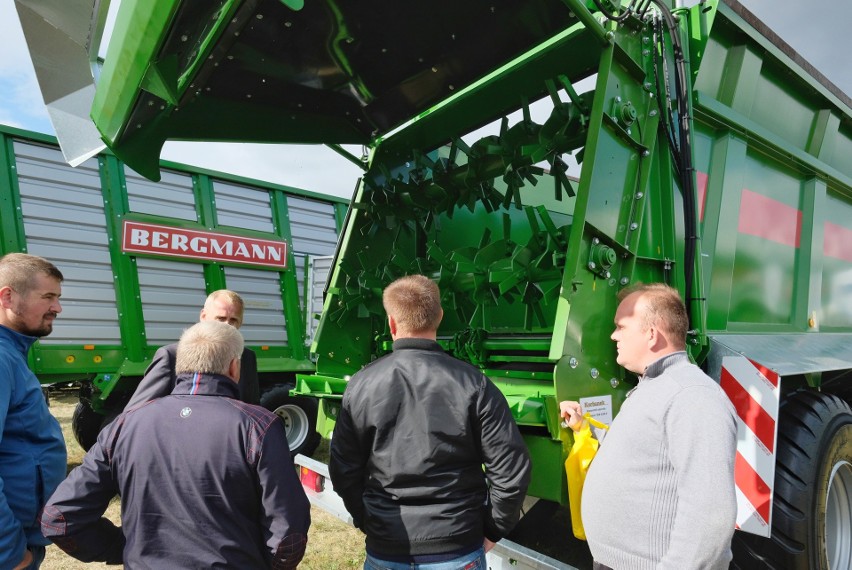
(653, 336)
(234, 369)
(392, 325)
(6, 297)
(657, 338)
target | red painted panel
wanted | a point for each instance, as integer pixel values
(770, 375)
(752, 486)
(749, 410)
(770, 219)
(701, 180)
(838, 242)
(156, 239)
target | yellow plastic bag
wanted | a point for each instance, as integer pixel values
(577, 465)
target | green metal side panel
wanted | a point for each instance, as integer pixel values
(835, 311)
(767, 215)
(289, 288)
(202, 188)
(11, 224)
(126, 279)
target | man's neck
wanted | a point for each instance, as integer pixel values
(428, 335)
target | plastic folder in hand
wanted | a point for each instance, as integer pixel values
(577, 465)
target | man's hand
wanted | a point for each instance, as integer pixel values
(572, 414)
(487, 545)
(28, 559)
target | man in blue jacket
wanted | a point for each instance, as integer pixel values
(32, 448)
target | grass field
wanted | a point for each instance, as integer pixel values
(332, 545)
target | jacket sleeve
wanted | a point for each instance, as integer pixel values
(159, 379)
(347, 462)
(506, 460)
(249, 386)
(73, 517)
(286, 511)
(13, 542)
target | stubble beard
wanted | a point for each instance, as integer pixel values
(45, 329)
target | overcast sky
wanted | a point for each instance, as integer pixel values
(817, 29)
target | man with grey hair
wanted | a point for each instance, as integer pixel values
(224, 306)
(201, 481)
(32, 449)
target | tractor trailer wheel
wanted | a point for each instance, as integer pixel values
(86, 425)
(299, 414)
(812, 507)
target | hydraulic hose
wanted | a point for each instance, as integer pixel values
(682, 151)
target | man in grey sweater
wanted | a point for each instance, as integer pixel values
(660, 492)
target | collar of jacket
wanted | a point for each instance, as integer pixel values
(660, 365)
(201, 384)
(20, 341)
(416, 343)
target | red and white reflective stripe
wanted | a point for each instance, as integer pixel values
(755, 392)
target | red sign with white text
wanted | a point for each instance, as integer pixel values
(155, 239)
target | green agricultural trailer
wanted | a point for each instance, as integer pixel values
(711, 157)
(139, 259)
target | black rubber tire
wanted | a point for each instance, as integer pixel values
(299, 414)
(86, 425)
(814, 438)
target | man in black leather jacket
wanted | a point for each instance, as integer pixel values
(224, 306)
(416, 428)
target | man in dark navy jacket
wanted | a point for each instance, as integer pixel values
(200, 474)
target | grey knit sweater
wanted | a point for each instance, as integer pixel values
(660, 492)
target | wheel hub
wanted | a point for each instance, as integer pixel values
(296, 424)
(838, 517)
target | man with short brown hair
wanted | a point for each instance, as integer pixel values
(415, 430)
(32, 448)
(660, 491)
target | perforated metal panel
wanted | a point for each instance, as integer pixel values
(312, 226)
(172, 197)
(243, 207)
(64, 222)
(263, 321)
(314, 233)
(173, 294)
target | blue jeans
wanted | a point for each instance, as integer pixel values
(473, 561)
